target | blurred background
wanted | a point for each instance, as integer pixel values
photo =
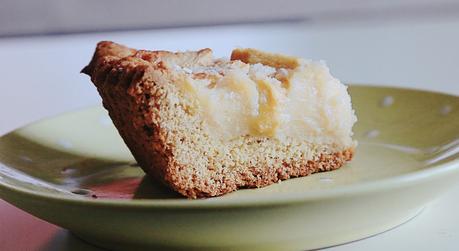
(25, 17)
(44, 45)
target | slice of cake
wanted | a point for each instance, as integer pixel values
(207, 126)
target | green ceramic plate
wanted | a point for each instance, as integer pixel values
(74, 171)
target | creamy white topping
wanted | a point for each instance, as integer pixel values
(306, 102)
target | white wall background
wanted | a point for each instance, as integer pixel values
(19, 17)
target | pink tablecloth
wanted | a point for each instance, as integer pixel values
(20, 231)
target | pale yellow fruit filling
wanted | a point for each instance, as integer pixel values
(301, 100)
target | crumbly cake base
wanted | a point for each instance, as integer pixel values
(260, 176)
(171, 143)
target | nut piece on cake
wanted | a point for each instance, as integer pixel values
(206, 127)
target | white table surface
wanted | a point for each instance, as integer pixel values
(39, 77)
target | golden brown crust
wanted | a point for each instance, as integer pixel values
(135, 87)
(252, 56)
